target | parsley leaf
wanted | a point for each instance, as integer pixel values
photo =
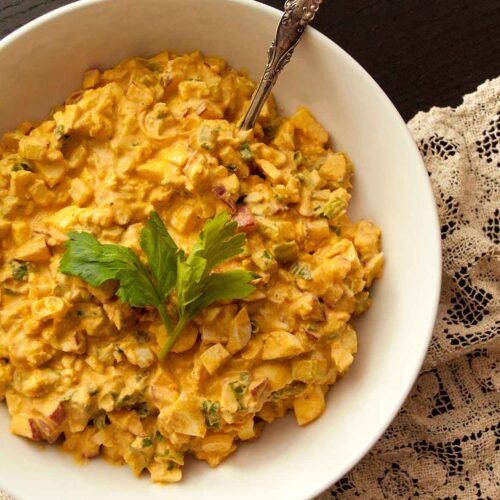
(196, 286)
(161, 251)
(218, 241)
(222, 286)
(139, 285)
(97, 263)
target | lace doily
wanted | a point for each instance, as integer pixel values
(445, 442)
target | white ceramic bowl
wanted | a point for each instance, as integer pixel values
(43, 62)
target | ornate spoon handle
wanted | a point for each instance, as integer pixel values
(298, 14)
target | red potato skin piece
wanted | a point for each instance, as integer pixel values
(45, 429)
(48, 428)
(312, 335)
(223, 195)
(245, 220)
(58, 416)
(35, 432)
(260, 388)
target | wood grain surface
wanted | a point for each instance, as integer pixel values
(423, 53)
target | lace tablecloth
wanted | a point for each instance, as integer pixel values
(445, 441)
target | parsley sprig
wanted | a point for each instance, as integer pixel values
(192, 276)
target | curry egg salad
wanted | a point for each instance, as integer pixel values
(168, 282)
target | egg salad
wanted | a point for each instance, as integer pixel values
(168, 282)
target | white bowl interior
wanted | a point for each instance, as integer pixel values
(43, 62)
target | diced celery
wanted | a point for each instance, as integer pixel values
(286, 252)
(333, 208)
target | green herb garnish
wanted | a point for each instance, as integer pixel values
(19, 269)
(147, 442)
(245, 152)
(211, 412)
(301, 271)
(333, 209)
(240, 387)
(207, 137)
(169, 267)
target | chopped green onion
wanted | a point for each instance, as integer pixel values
(333, 208)
(239, 387)
(211, 412)
(19, 269)
(245, 152)
(301, 271)
(147, 442)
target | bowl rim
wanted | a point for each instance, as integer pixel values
(359, 70)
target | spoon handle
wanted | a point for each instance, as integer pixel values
(298, 14)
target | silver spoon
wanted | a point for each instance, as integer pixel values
(298, 14)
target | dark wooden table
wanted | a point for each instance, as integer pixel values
(422, 52)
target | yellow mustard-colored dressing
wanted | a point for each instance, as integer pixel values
(162, 134)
